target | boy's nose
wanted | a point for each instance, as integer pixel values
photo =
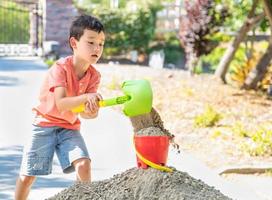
(97, 48)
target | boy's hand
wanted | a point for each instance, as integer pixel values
(91, 105)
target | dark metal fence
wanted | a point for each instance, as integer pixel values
(21, 28)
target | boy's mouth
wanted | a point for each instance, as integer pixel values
(94, 55)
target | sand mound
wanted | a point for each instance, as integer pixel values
(139, 184)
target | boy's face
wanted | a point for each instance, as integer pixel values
(90, 46)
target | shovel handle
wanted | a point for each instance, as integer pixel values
(114, 101)
(104, 103)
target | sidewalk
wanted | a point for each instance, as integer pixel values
(109, 140)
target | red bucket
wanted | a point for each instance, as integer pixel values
(152, 148)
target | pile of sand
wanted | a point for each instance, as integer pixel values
(143, 184)
(140, 184)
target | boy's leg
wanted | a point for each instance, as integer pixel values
(73, 154)
(37, 159)
(83, 169)
(23, 185)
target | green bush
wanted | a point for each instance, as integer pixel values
(260, 143)
(170, 44)
(208, 118)
(15, 28)
(212, 59)
(239, 130)
(127, 31)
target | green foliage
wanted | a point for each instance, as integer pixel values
(260, 143)
(49, 62)
(212, 60)
(208, 118)
(170, 44)
(15, 28)
(106, 4)
(127, 31)
(239, 10)
(216, 134)
(241, 67)
(98, 3)
(239, 130)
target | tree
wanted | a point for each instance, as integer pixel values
(257, 74)
(251, 21)
(201, 20)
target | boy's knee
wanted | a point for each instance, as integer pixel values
(27, 180)
(82, 164)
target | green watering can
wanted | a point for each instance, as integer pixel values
(137, 99)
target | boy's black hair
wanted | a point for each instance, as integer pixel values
(85, 22)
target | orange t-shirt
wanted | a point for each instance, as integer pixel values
(62, 74)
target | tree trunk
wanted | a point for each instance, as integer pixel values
(258, 73)
(191, 62)
(260, 70)
(250, 22)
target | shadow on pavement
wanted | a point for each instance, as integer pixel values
(17, 64)
(11, 65)
(9, 81)
(10, 161)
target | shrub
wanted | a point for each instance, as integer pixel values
(170, 44)
(240, 69)
(127, 31)
(208, 118)
(260, 143)
(239, 130)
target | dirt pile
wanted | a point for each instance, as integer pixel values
(139, 184)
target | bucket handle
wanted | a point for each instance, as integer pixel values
(150, 163)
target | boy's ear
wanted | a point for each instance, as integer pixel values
(73, 43)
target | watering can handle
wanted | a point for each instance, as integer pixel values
(104, 103)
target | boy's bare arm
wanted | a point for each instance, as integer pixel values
(65, 103)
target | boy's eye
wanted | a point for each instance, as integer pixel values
(90, 42)
(101, 45)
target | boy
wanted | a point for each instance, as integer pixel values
(70, 82)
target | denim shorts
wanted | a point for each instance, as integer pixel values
(45, 141)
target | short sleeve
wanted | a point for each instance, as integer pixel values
(57, 77)
(94, 83)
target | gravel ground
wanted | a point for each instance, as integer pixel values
(179, 97)
(139, 184)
